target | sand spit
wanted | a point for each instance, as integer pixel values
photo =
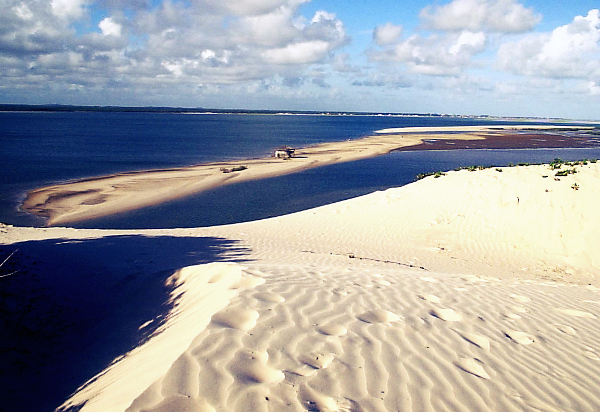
(102, 196)
(472, 291)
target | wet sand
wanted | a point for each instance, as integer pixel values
(510, 141)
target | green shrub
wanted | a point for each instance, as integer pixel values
(566, 172)
(556, 164)
(434, 174)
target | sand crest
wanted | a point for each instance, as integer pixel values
(473, 291)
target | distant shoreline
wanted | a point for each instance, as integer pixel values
(201, 110)
(107, 195)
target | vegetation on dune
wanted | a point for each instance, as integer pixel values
(434, 174)
(565, 172)
(557, 164)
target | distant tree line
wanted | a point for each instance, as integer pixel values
(162, 109)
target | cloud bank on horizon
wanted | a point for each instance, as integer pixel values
(464, 56)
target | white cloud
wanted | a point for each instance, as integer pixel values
(387, 34)
(461, 32)
(322, 15)
(271, 29)
(110, 27)
(203, 42)
(162, 49)
(570, 51)
(506, 16)
(174, 67)
(68, 9)
(31, 27)
(208, 54)
(298, 53)
(469, 43)
(23, 11)
(251, 7)
(59, 60)
(324, 34)
(341, 63)
(211, 56)
(325, 26)
(437, 55)
(253, 46)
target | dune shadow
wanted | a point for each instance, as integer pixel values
(73, 306)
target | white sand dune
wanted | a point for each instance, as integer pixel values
(472, 291)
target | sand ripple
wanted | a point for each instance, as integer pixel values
(382, 349)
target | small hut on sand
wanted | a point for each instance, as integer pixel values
(284, 152)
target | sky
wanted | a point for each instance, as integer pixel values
(465, 57)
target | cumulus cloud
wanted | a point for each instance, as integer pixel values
(31, 27)
(272, 29)
(68, 9)
(341, 63)
(256, 42)
(506, 16)
(202, 42)
(298, 53)
(156, 49)
(458, 33)
(110, 27)
(439, 55)
(387, 34)
(569, 51)
(469, 43)
(249, 7)
(325, 26)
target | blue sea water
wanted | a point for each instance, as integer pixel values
(49, 147)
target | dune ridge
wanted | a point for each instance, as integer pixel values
(471, 291)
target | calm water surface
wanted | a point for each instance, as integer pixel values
(44, 148)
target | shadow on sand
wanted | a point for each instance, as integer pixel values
(73, 306)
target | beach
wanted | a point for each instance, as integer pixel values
(106, 195)
(474, 290)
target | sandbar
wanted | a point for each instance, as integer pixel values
(106, 195)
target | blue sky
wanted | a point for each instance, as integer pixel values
(497, 57)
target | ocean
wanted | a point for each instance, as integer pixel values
(42, 148)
